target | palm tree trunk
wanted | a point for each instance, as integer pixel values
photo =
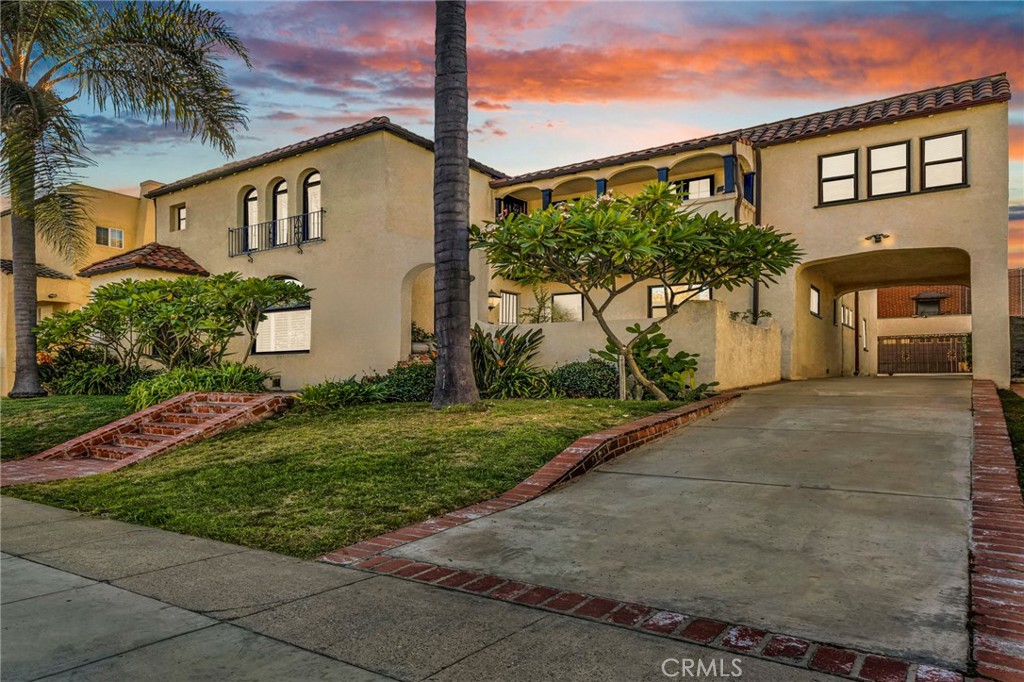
(455, 383)
(23, 255)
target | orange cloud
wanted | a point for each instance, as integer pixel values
(1016, 244)
(1017, 142)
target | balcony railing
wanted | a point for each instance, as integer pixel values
(295, 231)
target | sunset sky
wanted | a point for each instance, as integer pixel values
(553, 83)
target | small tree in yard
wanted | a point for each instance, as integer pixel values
(603, 247)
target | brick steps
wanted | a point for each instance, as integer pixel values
(187, 418)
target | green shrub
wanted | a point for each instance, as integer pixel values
(91, 378)
(228, 378)
(591, 379)
(675, 374)
(410, 384)
(330, 395)
(502, 363)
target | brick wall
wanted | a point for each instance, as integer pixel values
(899, 301)
(1017, 292)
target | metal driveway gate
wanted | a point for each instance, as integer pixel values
(925, 354)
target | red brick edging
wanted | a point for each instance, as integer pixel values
(997, 544)
(576, 460)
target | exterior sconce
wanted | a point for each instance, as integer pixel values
(493, 300)
(876, 238)
(51, 296)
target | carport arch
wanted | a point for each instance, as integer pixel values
(815, 348)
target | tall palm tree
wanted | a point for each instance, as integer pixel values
(161, 60)
(455, 383)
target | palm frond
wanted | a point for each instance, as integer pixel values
(163, 61)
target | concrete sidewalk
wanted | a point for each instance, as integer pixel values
(94, 599)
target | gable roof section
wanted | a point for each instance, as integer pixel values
(358, 130)
(153, 256)
(986, 90)
(7, 267)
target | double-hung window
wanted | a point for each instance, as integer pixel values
(658, 302)
(837, 177)
(944, 160)
(110, 236)
(889, 169)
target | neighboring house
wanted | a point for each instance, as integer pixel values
(907, 191)
(924, 329)
(117, 223)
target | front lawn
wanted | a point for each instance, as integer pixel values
(31, 425)
(1013, 410)
(303, 484)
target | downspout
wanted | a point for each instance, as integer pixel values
(755, 299)
(856, 334)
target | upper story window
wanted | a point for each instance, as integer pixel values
(697, 188)
(658, 303)
(279, 211)
(566, 307)
(889, 169)
(312, 223)
(847, 316)
(110, 236)
(250, 208)
(815, 301)
(837, 177)
(944, 160)
(178, 218)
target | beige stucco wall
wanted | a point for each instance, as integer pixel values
(937, 324)
(971, 219)
(378, 239)
(732, 353)
(106, 209)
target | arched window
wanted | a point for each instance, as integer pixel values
(251, 219)
(287, 328)
(279, 208)
(312, 225)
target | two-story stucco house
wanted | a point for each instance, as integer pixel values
(909, 190)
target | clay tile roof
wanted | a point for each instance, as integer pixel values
(7, 267)
(979, 91)
(357, 130)
(153, 256)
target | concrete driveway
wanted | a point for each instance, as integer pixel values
(835, 510)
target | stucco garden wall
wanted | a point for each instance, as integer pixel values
(733, 353)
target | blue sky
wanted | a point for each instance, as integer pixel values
(552, 83)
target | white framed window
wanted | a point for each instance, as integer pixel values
(110, 236)
(312, 226)
(508, 309)
(279, 209)
(889, 169)
(251, 219)
(864, 333)
(815, 306)
(657, 301)
(847, 313)
(286, 329)
(179, 218)
(944, 160)
(837, 177)
(567, 307)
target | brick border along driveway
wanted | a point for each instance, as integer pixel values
(997, 561)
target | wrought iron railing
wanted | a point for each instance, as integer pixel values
(295, 231)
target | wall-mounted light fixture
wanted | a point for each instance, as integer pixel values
(876, 238)
(51, 296)
(492, 300)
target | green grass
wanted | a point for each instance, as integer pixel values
(31, 425)
(303, 484)
(1013, 410)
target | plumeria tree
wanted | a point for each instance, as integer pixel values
(603, 247)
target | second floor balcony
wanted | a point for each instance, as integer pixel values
(294, 231)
